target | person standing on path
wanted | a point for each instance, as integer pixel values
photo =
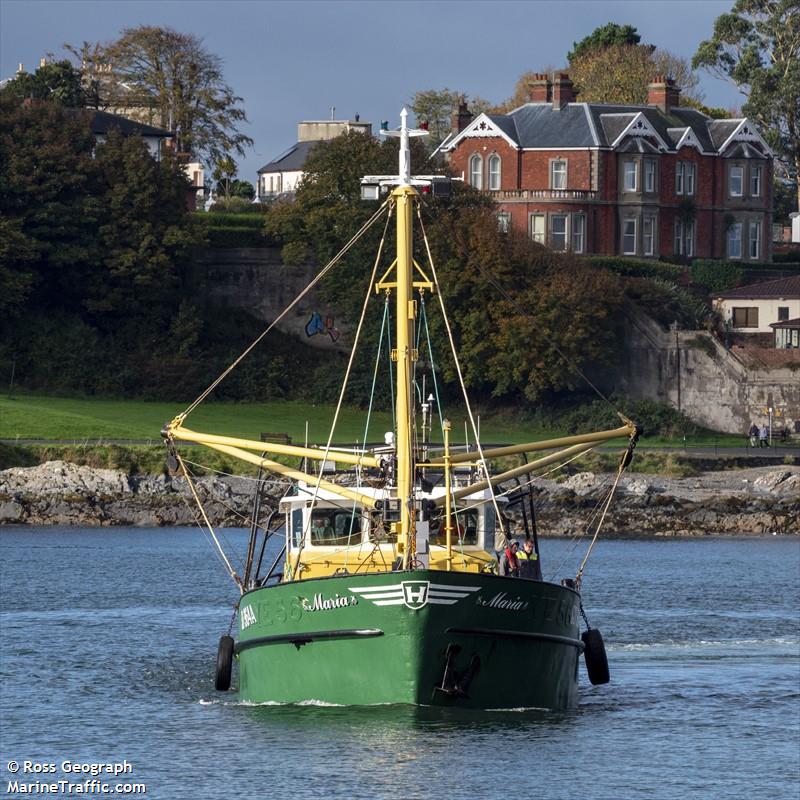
(753, 434)
(763, 435)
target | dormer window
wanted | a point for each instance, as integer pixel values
(558, 174)
(494, 172)
(476, 172)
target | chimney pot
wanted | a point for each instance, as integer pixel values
(563, 91)
(461, 118)
(540, 89)
(663, 93)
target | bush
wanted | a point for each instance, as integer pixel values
(717, 276)
(635, 267)
(789, 257)
(222, 219)
(235, 205)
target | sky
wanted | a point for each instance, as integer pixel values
(293, 61)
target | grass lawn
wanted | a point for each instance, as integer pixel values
(58, 418)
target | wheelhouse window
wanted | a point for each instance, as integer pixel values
(755, 239)
(649, 236)
(736, 181)
(558, 231)
(537, 229)
(494, 172)
(745, 317)
(629, 236)
(578, 232)
(464, 531)
(335, 528)
(558, 174)
(755, 180)
(503, 221)
(735, 240)
(649, 175)
(476, 172)
(630, 175)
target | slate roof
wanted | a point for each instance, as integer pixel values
(101, 122)
(539, 125)
(291, 160)
(788, 288)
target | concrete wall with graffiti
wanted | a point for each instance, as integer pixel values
(257, 281)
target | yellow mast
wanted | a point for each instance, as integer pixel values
(405, 197)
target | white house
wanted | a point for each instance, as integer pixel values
(102, 123)
(282, 175)
(754, 308)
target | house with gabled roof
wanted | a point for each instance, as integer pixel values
(648, 181)
(767, 307)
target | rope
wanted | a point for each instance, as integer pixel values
(458, 370)
(350, 361)
(325, 270)
(424, 315)
(624, 461)
(210, 527)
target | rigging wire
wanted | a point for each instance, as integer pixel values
(345, 380)
(424, 316)
(458, 368)
(325, 270)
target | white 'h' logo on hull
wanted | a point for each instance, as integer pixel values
(414, 594)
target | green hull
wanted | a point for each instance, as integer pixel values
(423, 637)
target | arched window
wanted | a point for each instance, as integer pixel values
(494, 172)
(476, 172)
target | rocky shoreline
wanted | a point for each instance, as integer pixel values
(745, 502)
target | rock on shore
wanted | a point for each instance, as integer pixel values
(744, 502)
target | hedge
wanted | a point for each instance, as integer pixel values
(718, 276)
(224, 219)
(635, 267)
(236, 236)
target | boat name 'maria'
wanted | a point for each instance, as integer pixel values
(320, 603)
(502, 600)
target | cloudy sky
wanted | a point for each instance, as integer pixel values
(293, 61)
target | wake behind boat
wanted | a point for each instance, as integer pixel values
(386, 589)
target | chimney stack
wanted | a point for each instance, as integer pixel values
(461, 118)
(663, 93)
(563, 91)
(540, 89)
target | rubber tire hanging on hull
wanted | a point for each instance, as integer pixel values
(595, 655)
(222, 676)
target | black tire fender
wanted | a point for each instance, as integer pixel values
(594, 654)
(222, 676)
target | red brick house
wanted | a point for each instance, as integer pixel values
(644, 181)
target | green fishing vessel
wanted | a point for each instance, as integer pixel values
(386, 586)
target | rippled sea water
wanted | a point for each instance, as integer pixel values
(108, 641)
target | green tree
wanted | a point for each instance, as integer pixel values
(605, 36)
(58, 82)
(756, 46)
(225, 170)
(182, 82)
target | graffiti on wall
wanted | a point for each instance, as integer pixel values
(319, 326)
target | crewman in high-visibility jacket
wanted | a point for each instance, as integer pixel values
(529, 562)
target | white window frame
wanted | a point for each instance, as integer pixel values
(740, 170)
(649, 239)
(503, 221)
(476, 175)
(690, 173)
(537, 236)
(755, 180)
(495, 176)
(755, 226)
(562, 174)
(578, 233)
(553, 218)
(679, 177)
(649, 175)
(736, 227)
(688, 238)
(625, 235)
(625, 173)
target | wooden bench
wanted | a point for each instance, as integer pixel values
(276, 438)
